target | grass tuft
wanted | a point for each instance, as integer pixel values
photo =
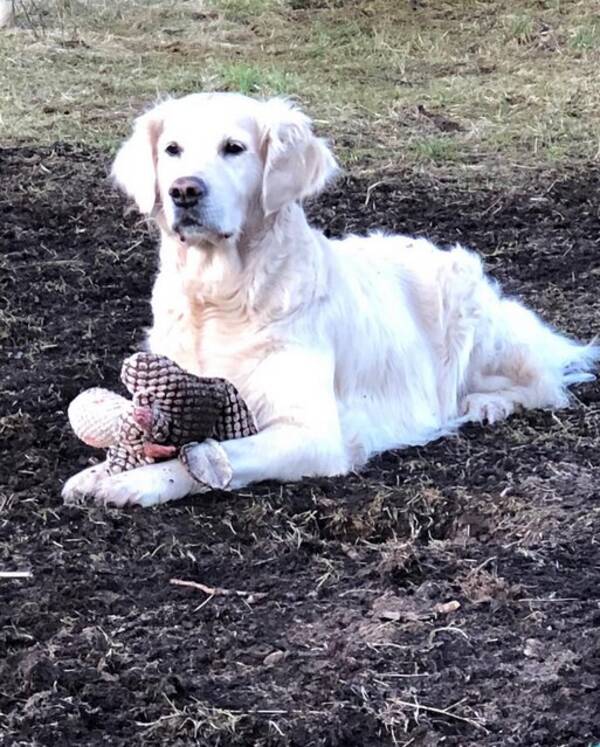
(520, 29)
(435, 149)
(253, 79)
(585, 37)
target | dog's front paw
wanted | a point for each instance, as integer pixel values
(147, 486)
(83, 485)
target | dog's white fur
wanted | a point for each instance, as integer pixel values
(342, 349)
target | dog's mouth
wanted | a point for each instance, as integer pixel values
(189, 229)
(186, 227)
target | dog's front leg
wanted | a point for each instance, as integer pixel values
(284, 452)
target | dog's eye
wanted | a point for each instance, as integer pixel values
(233, 148)
(173, 149)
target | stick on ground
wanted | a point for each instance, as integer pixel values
(214, 591)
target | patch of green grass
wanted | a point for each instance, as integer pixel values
(520, 28)
(439, 150)
(521, 83)
(252, 79)
(586, 37)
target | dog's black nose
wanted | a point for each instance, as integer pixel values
(187, 191)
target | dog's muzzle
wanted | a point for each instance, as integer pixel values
(187, 191)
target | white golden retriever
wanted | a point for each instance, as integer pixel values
(342, 349)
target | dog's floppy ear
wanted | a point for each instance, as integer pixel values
(134, 168)
(297, 163)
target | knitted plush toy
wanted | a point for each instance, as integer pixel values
(170, 409)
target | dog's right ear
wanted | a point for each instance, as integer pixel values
(297, 163)
(134, 168)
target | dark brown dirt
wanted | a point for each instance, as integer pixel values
(447, 595)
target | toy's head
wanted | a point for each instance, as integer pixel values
(95, 416)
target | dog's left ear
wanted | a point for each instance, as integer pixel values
(297, 163)
(134, 167)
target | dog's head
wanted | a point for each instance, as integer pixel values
(208, 163)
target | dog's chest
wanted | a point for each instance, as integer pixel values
(206, 339)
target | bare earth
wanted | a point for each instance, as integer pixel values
(446, 595)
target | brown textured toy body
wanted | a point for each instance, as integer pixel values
(170, 408)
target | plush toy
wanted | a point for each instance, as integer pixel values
(170, 408)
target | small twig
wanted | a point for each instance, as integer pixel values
(446, 629)
(552, 600)
(440, 712)
(29, 12)
(481, 566)
(217, 591)
(15, 574)
(370, 190)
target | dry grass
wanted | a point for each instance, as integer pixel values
(469, 84)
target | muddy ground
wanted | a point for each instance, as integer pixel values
(446, 595)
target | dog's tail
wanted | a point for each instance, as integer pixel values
(495, 345)
(578, 361)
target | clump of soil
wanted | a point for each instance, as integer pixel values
(446, 595)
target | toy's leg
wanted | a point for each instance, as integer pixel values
(159, 451)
